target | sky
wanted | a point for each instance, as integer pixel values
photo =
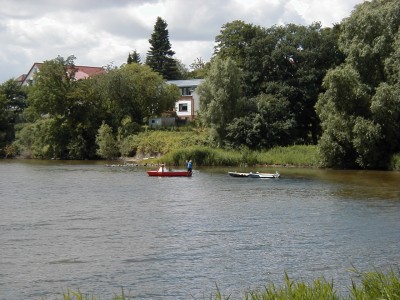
(103, 32)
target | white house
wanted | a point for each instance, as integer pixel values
(188, 105)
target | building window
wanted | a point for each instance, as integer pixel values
(187, 91)
(183, 107)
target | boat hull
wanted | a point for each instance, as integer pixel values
(264, 175)
(170, 173)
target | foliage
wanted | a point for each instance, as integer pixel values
(395, 162)
(264, 87)
(298, 155)
(210, 156)
(234, 40)
(288, 62)
(203, 156)
(106, 142)
(160, 56)
(360, 109)
(318, 289)
(152, 143)
(53, 84)
(135, 91)
(12, 103)
(133, 57)
(369, 38)
(385, 109)
(66, 114)
(272, 125)
(46, 138)
(220, 94)
(199, 69)
(345, 99)
(376, 285)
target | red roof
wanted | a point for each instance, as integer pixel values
(82, 72)
(91, 70)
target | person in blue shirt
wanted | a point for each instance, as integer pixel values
(189, 166)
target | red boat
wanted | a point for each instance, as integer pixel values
(163, 172)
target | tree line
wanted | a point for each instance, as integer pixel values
(335, 87)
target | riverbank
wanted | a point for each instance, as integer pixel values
(175, 147)
(295, 156)
(300, 156)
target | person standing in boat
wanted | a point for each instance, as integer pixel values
(189, 166)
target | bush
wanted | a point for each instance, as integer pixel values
(158, 142)
(106, 142)
(395, 162)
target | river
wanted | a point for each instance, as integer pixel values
(96, 228)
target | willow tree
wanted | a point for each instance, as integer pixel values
(360, 109)
(220, 95)
(135, 91)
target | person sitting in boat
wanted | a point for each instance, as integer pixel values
(161, 168)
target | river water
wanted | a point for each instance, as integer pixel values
(96, 228)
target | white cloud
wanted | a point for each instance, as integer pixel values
(99, 32)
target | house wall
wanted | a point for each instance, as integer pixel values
(189, 98)
(29, 80)
(163, 121)
(184, 108)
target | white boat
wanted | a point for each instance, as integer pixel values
(255, 175)
(238, 174)
(265, 175)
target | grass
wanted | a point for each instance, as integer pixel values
(298, 155)
(207, 156)
(176, 146)
(318, 289)
(369, 286)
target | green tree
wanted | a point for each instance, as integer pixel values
(45, 138)
(385, 109)
(199, 68)
(65, 113)
(359, 110)
(106, 142)
(286, 61)
(234, 39)
(133, 57)
(345, 99)
(12, 103)
(160, 56)
(135, 91)
(220, 95)
(271, 125)
(369, 37)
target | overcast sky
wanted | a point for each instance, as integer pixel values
(103, 32)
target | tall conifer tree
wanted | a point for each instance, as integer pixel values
(133, 57)
(160, 56)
